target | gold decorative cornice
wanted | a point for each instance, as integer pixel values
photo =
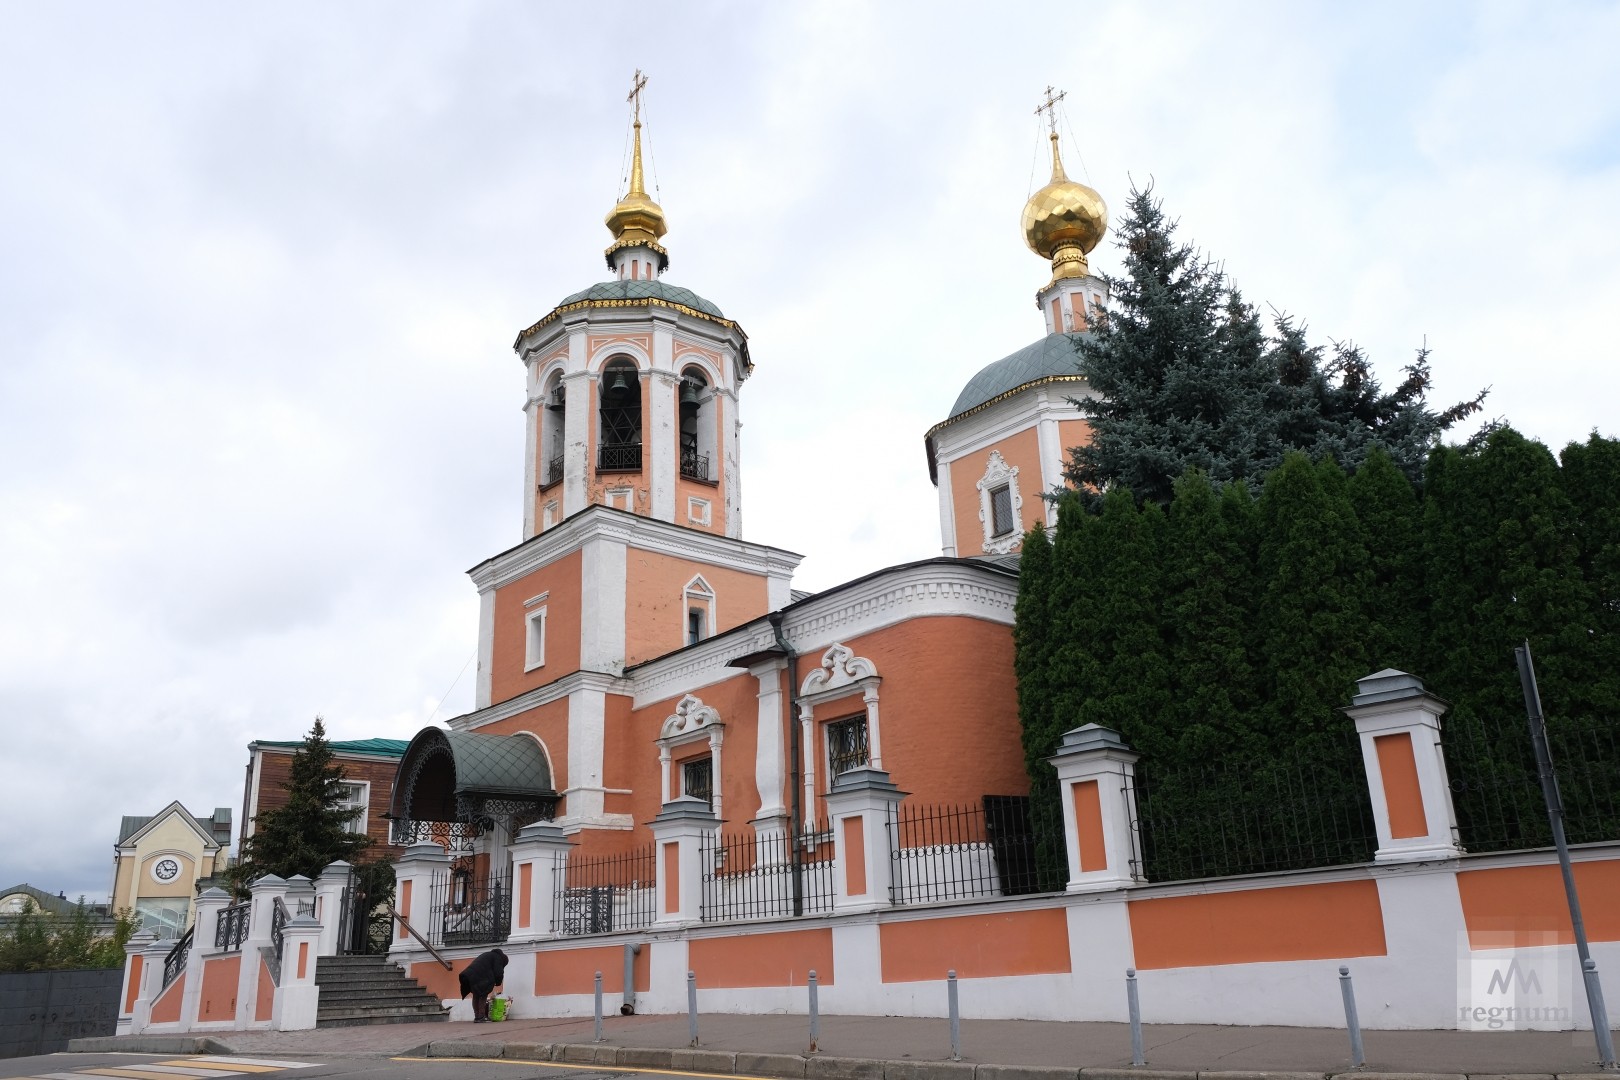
(649, 301)
(998, 399)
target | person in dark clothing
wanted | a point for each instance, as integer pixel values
(480, 978)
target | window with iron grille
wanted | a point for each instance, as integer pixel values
(846, 745)
(697, 779)
(620, 415)
(1001, 511)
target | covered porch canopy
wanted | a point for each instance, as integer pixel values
(453, 785)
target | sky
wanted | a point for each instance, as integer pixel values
(262, 265)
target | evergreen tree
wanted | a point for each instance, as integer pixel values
(312, 830)
(1313, 623)
(1391, 526)
(1591, 479)
(1209, 585)
(1188, 380)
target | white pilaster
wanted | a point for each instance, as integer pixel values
(1096, 773)
(578, 459)
(770, 767)
(859, 807)
(587, 726)
(1050, 445)
(531, 454)
(947, 511)
(1398, 721)
(659, 433)
(486, 648)
(731, 454)
(604, 567)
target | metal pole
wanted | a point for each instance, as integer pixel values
(691, 1006)
(629, 1007)
(1358, 1057)
(1134, 1005)
(815, 1013)
(598, 1006)
(956, 1016)
(1555, 814)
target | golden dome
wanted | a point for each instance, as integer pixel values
(636, 219)
(1064, 220)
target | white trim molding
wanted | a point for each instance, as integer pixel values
(998, 474)
(692, 721)
(841, 674)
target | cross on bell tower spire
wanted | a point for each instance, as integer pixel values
(638, 83)
(1049, 107)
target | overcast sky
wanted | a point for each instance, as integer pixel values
(261, 267)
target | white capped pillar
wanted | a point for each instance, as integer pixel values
(860, 805)
(1096, 772)
(539, 862)
(679, 832)
(1398, 721)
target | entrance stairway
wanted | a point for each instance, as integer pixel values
(357, 990)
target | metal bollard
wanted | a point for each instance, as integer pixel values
(598, 1006)
(1358, 1057)
(691, 1007)
(1600, 1013)
(815, 1012)
(956, 1016)
(1134, 1005)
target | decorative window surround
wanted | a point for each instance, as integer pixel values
(534, 639)
(692, 721)
(841, 674)
(698, 596)
(697, 511)
(999, 474)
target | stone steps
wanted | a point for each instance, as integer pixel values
(359, 990)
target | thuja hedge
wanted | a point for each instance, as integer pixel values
(1221, 635)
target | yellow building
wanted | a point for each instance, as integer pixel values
(159, 860)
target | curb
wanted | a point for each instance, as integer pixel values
(148, 1044)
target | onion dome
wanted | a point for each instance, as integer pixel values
(637, 221)
(1064, 220)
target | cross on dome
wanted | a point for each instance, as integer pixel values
(1049, 107)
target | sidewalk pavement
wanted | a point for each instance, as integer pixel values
(909, 1048)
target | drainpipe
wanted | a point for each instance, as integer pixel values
(796, 824)
(629, 1006)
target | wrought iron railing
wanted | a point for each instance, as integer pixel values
(278, 922)
(960, 852)
(453, 836)
(618, 457)
(232, 928)
(1294, 810)
(694, 466)
(749, 876)
(175, 962)
(554, 471)
(605, 894)
(466, 912)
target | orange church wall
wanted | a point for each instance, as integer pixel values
(714, 494)
(219, 981)
(975, 946)
(549, 723)
(947, 673)
(1330, 921)
(1073, 433)
(562, 580)
(1021, 450)
(573, 971)
(1524, 906)
(265, 1006)
(737, 702)
(166, 1009)
(438, 981)
(655, 601)
(781, 959)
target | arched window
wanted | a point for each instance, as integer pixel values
(552, 425)
(697, 425)
(619, 436)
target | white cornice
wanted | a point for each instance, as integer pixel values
(540, 695)
(643, 534)
(1020, 413)
(632, 317)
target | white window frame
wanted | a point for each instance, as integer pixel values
(997, 474)
(697, 511)
(361, 821)
(534, 638)
(699, 595)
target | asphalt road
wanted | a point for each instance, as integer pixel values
(210, 1067)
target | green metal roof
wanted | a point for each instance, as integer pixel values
(382, 747)
(1054, 354)
(644, 290)
(511, 763)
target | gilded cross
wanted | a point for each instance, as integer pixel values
(637, 85)
(1049, 106)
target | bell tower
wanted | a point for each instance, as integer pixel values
(633, 385)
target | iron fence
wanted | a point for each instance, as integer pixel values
(466, 911)
(278, 923)
(965, 851)
(175, 962)
(751, 876)
(232, 928)
(694, 466)
(605, 894)
(618, 457)
(1294, 810)
(1496, 790)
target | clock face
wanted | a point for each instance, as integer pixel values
(166, 870)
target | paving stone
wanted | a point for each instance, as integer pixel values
(790, 1065)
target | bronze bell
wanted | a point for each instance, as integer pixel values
(558, 400)
(619, 385)
(690, 401)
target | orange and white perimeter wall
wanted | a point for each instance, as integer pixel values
(1257, 950)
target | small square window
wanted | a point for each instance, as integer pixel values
(846, 745)
(534, 642)
(697, 779)
(1001, 511)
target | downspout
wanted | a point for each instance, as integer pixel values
(796, 823)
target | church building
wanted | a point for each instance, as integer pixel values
(636, 653)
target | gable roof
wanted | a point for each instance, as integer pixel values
(174, 809)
